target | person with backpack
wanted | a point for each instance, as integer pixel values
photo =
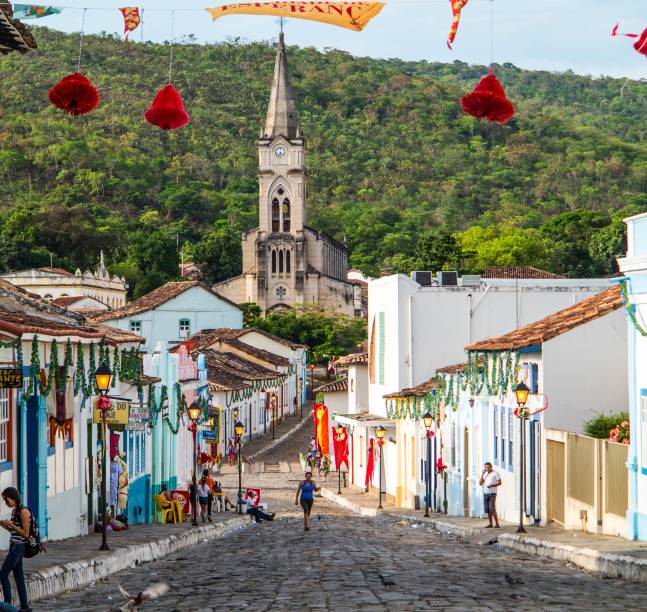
(20, 526)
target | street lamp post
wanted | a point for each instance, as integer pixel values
(428, 421)
(340, 434)
(521, 391)
(380, 432)
(273, 405)
(102, 380)
(194, 414)
(239, 429)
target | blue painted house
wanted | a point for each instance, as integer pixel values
(634, 285)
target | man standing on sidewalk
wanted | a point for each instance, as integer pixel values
(490, 480)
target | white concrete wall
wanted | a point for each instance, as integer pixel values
(585, 372)
(437, 331)
(357, 389)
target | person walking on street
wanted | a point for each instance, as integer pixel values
(210, 483)
(203, 497)
(490, 480)
(306, 496)
(19, 526)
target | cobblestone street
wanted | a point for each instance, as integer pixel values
(347, 562)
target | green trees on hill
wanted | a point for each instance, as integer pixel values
(395, 167)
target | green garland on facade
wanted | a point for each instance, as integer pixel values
(80, 381)
(630, 309)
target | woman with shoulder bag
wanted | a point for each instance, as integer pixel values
(19, 526)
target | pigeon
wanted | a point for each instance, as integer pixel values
(135, 601)
(512, 581)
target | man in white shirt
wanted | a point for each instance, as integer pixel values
(490, 480)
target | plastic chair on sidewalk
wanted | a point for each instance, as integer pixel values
(167, 512)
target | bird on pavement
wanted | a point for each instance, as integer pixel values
(512, 581)
(135, 601)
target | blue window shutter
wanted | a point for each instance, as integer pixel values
(496, 437)
(381, 350)
(534, 378)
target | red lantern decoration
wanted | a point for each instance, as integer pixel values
(167, 111)
(75, 94)
(488, 100)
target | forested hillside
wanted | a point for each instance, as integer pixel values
(396, 168)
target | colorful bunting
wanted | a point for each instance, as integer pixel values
(350, 15)
(457, 7)
(34, 11)
(640, 45)
(131, 20)
(488, 101)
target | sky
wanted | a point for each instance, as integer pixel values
(555, 35)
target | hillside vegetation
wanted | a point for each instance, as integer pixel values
(396, 169)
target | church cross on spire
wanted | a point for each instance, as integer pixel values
(281, 112)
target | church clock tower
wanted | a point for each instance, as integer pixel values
(280, 244)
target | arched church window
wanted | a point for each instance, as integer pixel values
(287, 261)
(273, 262)
(286, 215)
(281, 261)
(276, 216)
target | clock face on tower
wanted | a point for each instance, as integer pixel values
(280, 152)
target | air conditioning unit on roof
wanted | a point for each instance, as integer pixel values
(426, 279)
(471, 280)
(448, 278)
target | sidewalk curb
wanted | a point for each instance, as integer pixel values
(608, 564)
(278, 441)
(57, 579)
(340, 500)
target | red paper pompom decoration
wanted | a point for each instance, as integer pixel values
(641, 44)
(167, 110)
(75, 94)
(488, 100)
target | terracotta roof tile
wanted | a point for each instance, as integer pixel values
(209, 336)
(156, 298)
(553, 325)
(352, 359)
(237, 366)
(520, 272)
(276, 360)
(334, 386)
(14, 35)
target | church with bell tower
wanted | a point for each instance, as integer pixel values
(286, 262)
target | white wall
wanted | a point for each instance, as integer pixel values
(585, 372)
(357, 389)
(437, 331)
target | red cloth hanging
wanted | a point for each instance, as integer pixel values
(457, 7)
(167, 111)
(341, 449)
(370, 463)
(131, 20)
(488, 100)
(315, 422)
(75, 94)
(640, 45)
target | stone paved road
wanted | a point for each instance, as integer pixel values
(351, 563)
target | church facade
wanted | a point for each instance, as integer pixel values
(285, 262)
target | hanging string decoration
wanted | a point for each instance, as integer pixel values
(640, 45)
(75, 94)
(131, 20)
(457, 7)
(488, 101)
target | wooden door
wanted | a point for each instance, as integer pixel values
(556, 474)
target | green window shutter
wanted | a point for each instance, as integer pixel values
(380, 355)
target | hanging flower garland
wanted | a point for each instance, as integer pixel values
(630, 310)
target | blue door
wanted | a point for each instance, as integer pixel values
(37, 462)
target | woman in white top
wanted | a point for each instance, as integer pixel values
(203, 497)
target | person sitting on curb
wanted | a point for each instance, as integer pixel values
(252, 508)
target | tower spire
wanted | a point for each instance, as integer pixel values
(281, 112)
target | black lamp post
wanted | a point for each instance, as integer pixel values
(102, 380)
(428, 421)
(194, 414)
(380, 432)
(521, 391)
(340, 434)
(239, 429)
(273, 405)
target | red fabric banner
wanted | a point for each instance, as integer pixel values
(457, 7)
(341, 449)
(131, 19)
(323, 432)
(315, 422)
(370, 462)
